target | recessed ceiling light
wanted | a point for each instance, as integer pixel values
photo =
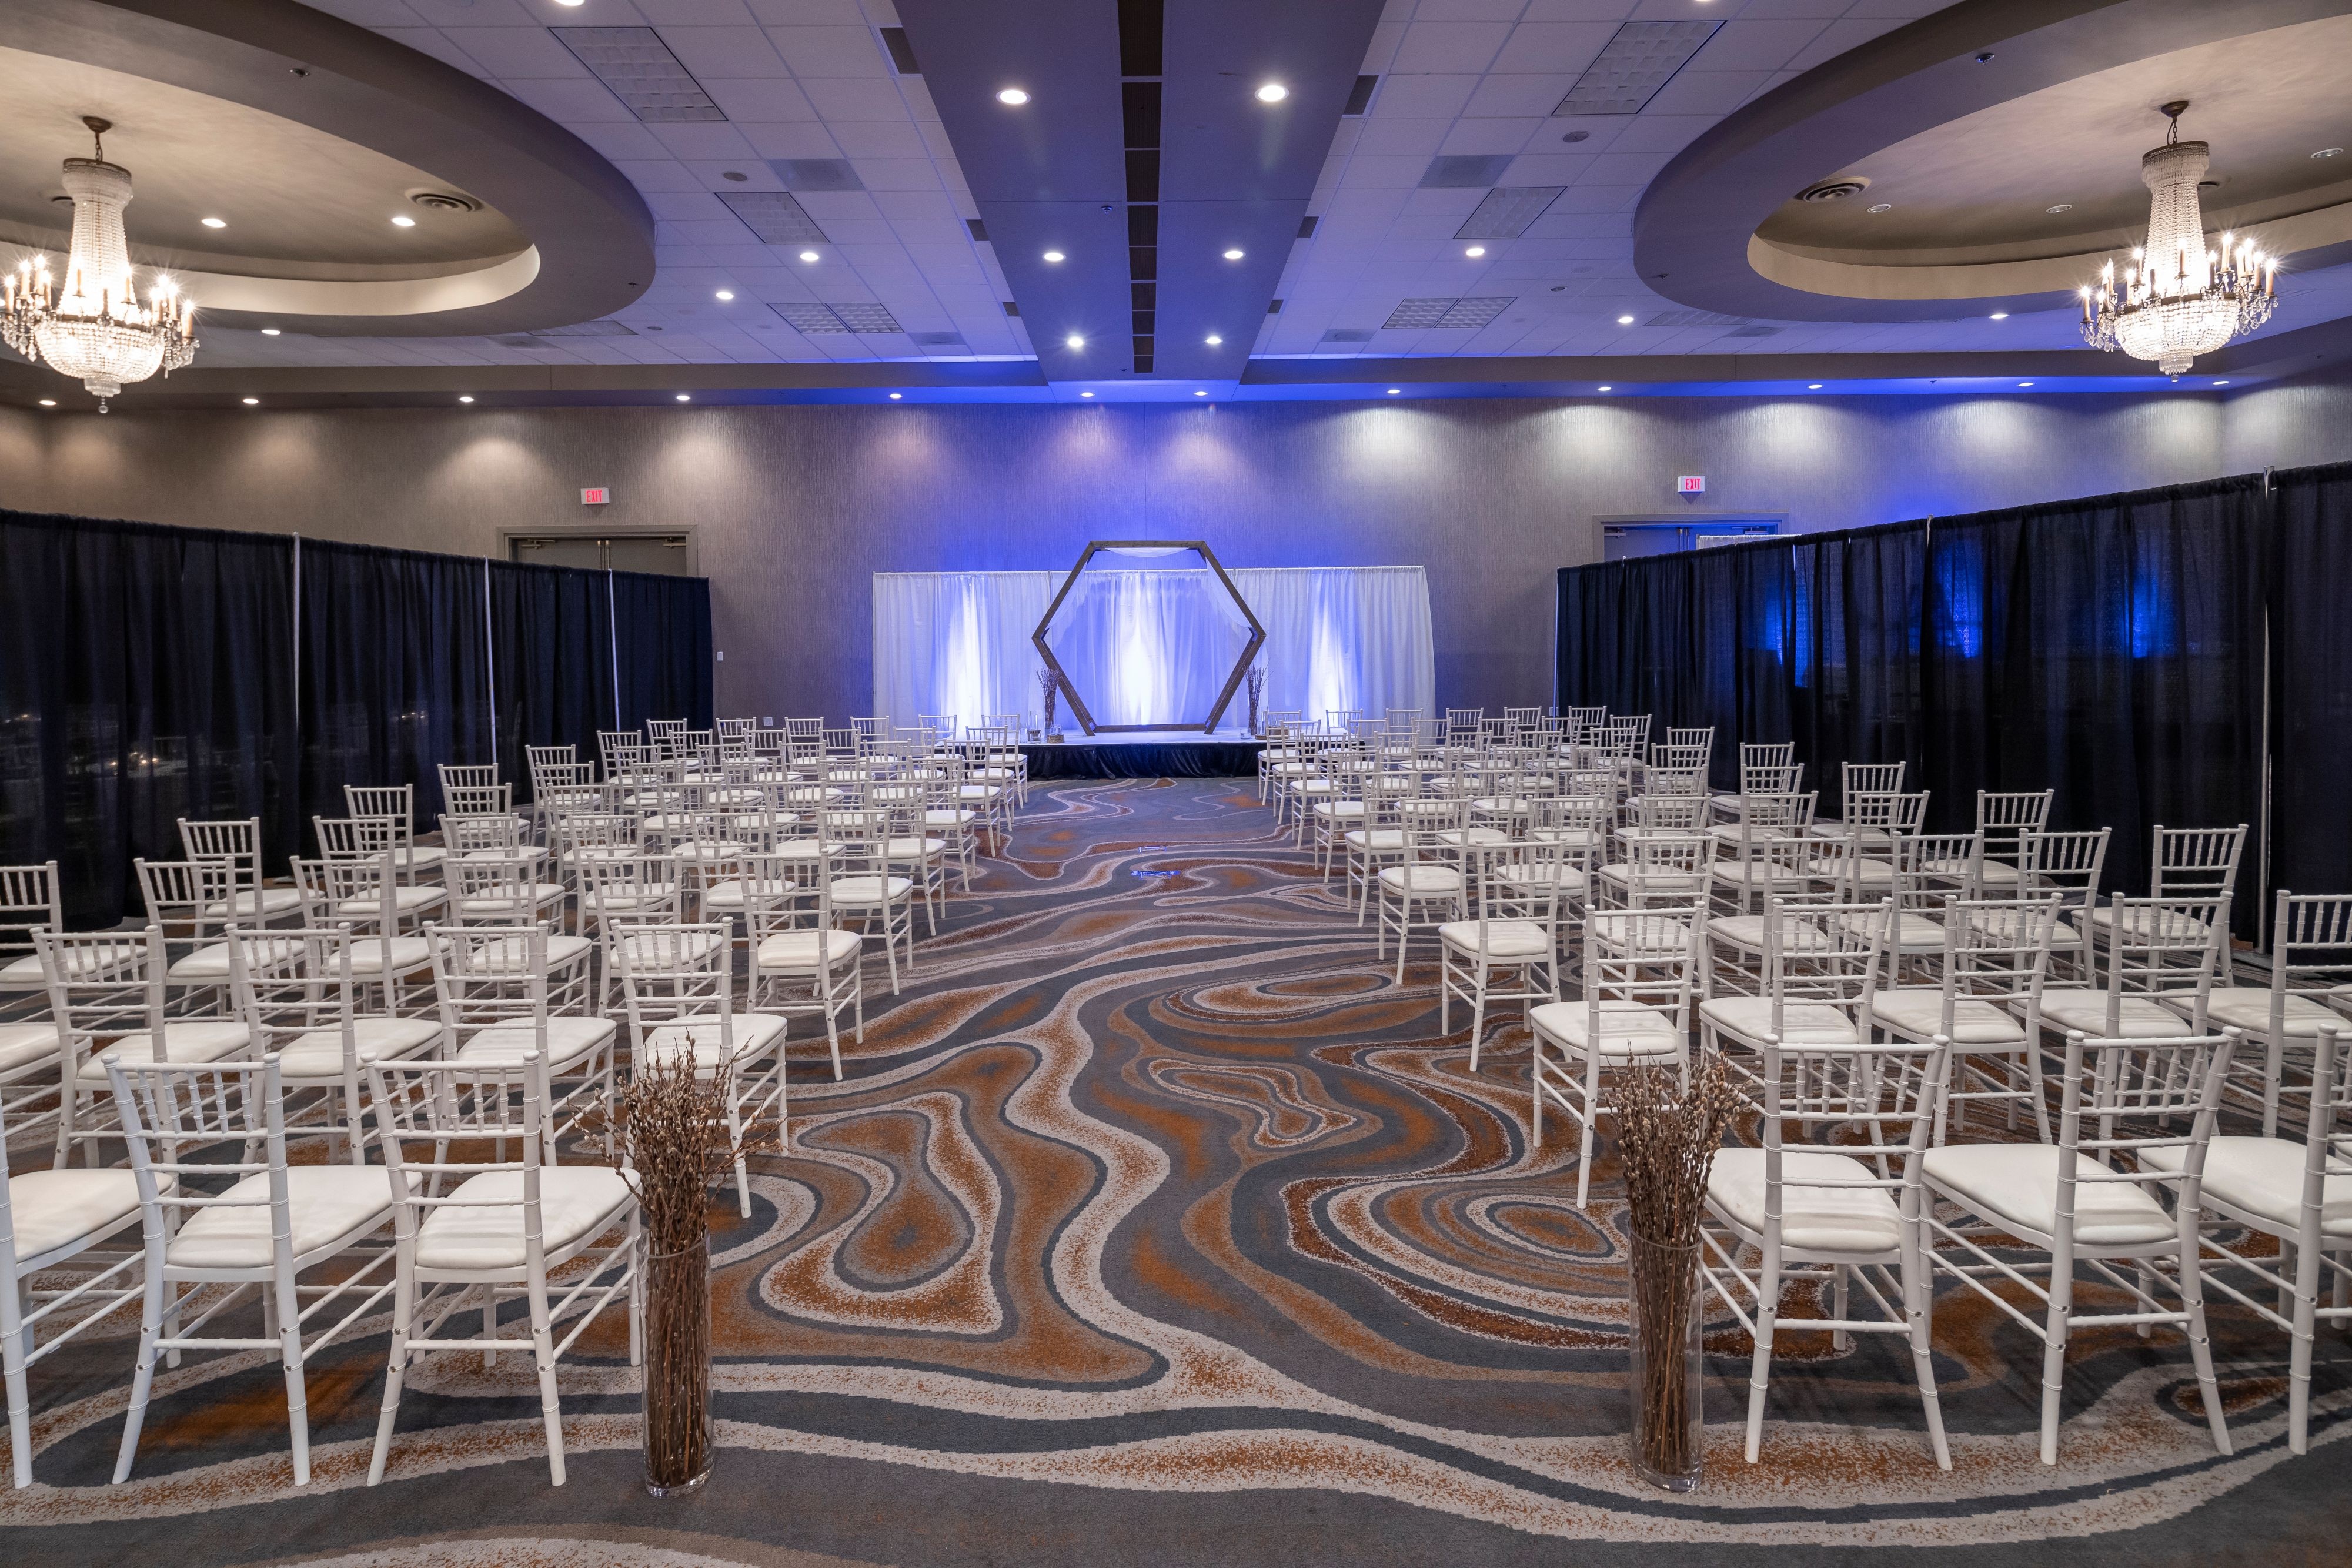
(1054, 255)
(49, 403)
(250, 402)
(1476, 251)
(1013, 96)
(1200, 395)
(464, 397)
(726, 293)
(1233, 253)
(808, 256)
(895, 396)
(2025, 384)
(269, 331)
(683, 398)
(1812, 386)
(1272, 92)
(2220, 383)
(1883, 207)
(1214, 339)
(1607, 388)
(1394, 391)
(2327, 152)
(216, 223)
(1085, 394)
(574, 3)
(403, 221)
(1076, 341)
(2000, 316)
(2060, 207)
(1624, 320)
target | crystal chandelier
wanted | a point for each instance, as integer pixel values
(93, 326)
(2178, 298)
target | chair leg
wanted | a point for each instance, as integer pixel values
(2054, 1349)
(2298, 1397)
(1918, 1307)
(150, 1326)
(1840, 1289)
(289, 1352)
(2200, 1345)
(1584, 1140)
(13, 1349)
(542, 1346)
(403, 1314)
(1760, 1366)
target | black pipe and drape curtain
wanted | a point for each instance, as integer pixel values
(149, 674)
(2112, 649)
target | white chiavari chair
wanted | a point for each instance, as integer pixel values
(1640, 972)
(255, 1223)
(2066, 867)
(2121, 1184)
(1819, 964)
(796, 943)
(304, 1003)
(468, 1226)
(396, 804)
(236, 842)
(1988, 1003)
(2310, 988)
(1429, 875)
(625, 890)
(502, 997)
(1524, 891)
(387, 914)
(857, 837)
(1836, 1206)
(2161, 955)
(2301, 1194)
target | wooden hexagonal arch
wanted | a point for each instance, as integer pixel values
(1232, 682)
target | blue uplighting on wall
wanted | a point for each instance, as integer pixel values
(1959, 609)
(2150, 626)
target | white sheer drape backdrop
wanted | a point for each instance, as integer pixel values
(1142, 642)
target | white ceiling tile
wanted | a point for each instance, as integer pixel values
(620, 142)
(1382, 52)
(1519, 95)
(806, 13)
(716, 54)
(439, 45)
(898, 173)
(657, 174)
(1511, 136)
(1554, 46)
(1740, 45)
(702, 139)
(853, 98)
(1367, 169)
(1623, 169)
(1711, 93)
(1547, 168)
(1612, 11)
(1422, 98)
(1468, 10)
(668, 14)
(581, 100)
(1840, 36)
(830, 51)
(1452, 47)
(750, 102)
(370, 13)
(881, 139)
(513, 53)
(1397, 138)
(681, 206)
(780, 139)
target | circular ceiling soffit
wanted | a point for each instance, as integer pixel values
(2005, 180)
(367, 189)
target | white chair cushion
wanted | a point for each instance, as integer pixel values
(324, 1204)
(1671, 884)
(1801, 1023)
(184, 1039)
(647, 895)
(2139, 1018)
(1815, 1221)
(1422, 879)
(2249, 1009)
(405, 900)
(406, 953)
(1919, 1011)
(485, 1234)
(211, 963)
(870, 890)
(1628, 1030)
(753, 1034)
(908, 849)
(272, 902)
(22, 1044)
(1584, 838)
(940, 817)
(2263, 1177)
(569, 1040)
(1761, 876)
(2017, 1185)
(2142, 922)
(1504, 938)
(49, 1209)
(729, 895)
(317, 1055)
(420, 857)
(793, 952)
(1377, 838)
(1867, 872)
(541, 893)
(1746, 932)
(1567, 880)
(1474, 836)
(511, 955)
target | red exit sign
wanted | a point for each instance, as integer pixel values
(1690, 484)
(595, 498)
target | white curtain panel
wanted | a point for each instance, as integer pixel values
(1338, 637)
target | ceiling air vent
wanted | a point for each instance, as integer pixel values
(816, 173)
(944, 341)
(1697, 319)
(1347, 335)
(588, 329)
(1836, 189)
(445, 202)
(641, 71)
(774, 215)
(1447, 313)
(1508, 211)
(813, 320)
(1464, 170)
(1641, 57)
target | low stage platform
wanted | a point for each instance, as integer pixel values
(1147, 754)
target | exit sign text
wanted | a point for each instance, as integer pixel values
(1690, 484)
(599, 496)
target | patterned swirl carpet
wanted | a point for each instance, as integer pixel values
(1155, 1225)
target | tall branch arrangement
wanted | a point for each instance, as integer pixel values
(1050, 687)
(1667, 1143)
(673, 1147)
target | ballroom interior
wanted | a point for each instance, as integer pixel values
(1161, 782)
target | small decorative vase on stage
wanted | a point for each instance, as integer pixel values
(677, 1369)
(1665, 1324)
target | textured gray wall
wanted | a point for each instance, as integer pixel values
(796, 505)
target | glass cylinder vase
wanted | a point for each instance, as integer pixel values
(1664, 1320)
(678, 1446)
